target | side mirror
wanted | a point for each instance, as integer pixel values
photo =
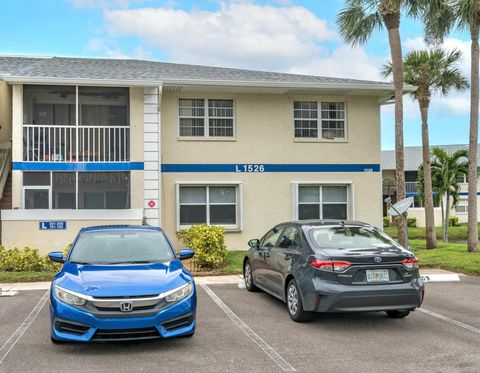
(254, 244)
(56, 256)
(186, 254)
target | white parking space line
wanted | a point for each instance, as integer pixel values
(17, 334)
(264, 346)
(449, 320)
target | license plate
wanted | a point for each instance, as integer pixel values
(377, 275)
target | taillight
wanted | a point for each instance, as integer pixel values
(411, 263)
(331, 265)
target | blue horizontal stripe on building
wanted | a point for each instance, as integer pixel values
(466, 193)
(416, 194)
(77, 166)
(261, 168)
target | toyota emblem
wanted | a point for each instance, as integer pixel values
(126, 306)
(377, 259)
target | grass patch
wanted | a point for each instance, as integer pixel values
(234, 262)
(448, 256)
(458, 233)
(6, 277)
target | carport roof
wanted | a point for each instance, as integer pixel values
(413, 156)
(141, 72)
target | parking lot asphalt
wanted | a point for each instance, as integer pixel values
(252, 332)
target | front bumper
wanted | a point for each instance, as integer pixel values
(70, 323)
(335, 297)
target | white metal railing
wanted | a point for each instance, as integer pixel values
(411, 187)
(5, 166)
(51, 143)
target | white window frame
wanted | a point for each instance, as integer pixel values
(464, 179)
(50, 192)
(319, 183)
(37, 187)
(464, 203)
(319, 122)
(238, 202)
(206, 119)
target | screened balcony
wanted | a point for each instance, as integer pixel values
(76, 124)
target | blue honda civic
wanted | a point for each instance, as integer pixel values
(122, 283)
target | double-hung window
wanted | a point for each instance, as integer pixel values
(319, 120)
(462, 206)
(206, 118)
(208, 204)
(323, 202)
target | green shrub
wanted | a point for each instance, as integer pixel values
(386, 221)
(411, 222)
(453, 221)
(26, 260)
(208, 243)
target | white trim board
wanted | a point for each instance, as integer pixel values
(33, 215)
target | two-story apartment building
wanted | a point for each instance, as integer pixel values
(413, 159)
(104, 141)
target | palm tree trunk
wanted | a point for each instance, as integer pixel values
(445, 223)
(443, 214)
(473, 142)
(392, 23)
(430, 234)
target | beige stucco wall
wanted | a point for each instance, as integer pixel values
(5, 113)
(23, 233)
(264, 134)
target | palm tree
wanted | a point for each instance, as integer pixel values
(446, 170)
(440, 17)
(357, 21)
(430, 71)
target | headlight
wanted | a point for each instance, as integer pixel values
(179, 293)
(69, 297)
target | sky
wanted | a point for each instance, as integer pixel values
(276, 35)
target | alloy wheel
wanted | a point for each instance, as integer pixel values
(292, 299)
(248, 275)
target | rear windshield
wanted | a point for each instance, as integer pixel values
(121, 246)
(349, 237)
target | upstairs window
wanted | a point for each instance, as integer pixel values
(319, 120)
(206, 118)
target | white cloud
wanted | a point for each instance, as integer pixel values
(103, 49)
(344, 62)
(241, 34)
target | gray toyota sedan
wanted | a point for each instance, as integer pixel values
(334, 266)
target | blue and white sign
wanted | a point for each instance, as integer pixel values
(52, 225)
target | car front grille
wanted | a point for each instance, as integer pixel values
(104, 335)
(177, 323)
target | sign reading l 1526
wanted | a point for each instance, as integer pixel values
(52, 225)
(249, 168)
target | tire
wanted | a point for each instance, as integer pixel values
(398, 314)
(295, 304)
(248, 277)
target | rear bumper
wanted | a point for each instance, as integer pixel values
(69, 323)
(334, 297)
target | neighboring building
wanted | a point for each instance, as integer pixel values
(104, 141)
(413, 159)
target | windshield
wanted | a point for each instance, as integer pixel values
(350, 237)
(121, 246)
